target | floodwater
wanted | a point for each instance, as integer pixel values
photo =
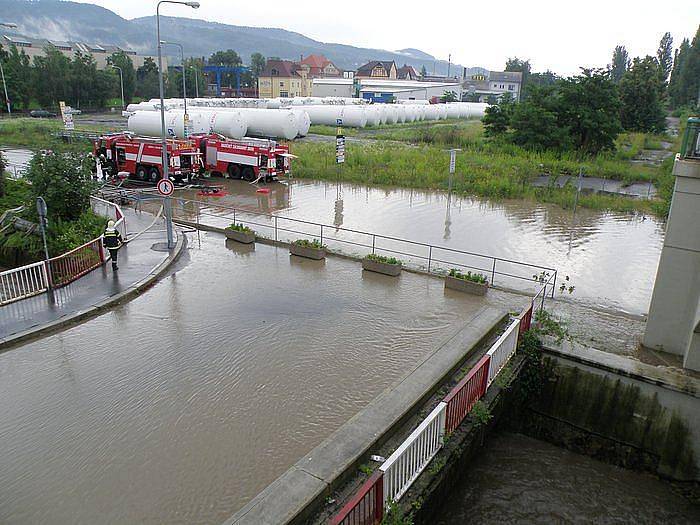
(611, 258)
(17, 160)
(182, 404)
(517, 479)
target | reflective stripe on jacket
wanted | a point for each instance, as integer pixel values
(112, 239)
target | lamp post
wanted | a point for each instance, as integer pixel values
(121, 82)
(2, 71)
(182, 59)
(196, 80)
(164, 141)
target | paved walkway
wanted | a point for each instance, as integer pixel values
(139, 262)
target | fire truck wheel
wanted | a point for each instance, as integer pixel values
(248, 174)
(234, 171)
(154, 175)
(141, 173)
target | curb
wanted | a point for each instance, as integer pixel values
(100, 307)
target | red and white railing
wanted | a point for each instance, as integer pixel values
(403, 467)
(36, 278)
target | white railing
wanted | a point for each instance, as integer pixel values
(111, 211)
(502, 350)
(414, 454)
(23, 282)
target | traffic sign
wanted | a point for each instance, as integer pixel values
(453, 160)
(166, 187)
(339, 149)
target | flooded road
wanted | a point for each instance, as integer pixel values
(610, 257)
(182, 404)
(17, 160)
(517, 479)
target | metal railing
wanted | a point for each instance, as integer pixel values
(72, 265)
(525, 319)
(466, 393)
(23, 282)
(424, 256)
(367, 506)
(410, 459)
(111, 211)
(502, 350)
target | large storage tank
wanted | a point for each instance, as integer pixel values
(453, 110)
(303, 120)
(374, 117)
(270, 122)
(328, 115)
(229, 124)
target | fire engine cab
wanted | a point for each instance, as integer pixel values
(249, 159)
(141, 157)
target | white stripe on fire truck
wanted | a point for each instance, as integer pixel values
(138, 158)
(131, 156)
(239, 159)
(152, 159)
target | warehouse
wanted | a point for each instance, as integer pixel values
(387, 90)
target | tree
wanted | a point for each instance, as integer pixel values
(664, 55)
(2, 175)
(590, 109)
(51, 77)
(497, 118)
(523, 66)
(64, 181)
(225, 58)
(449, 96)
(535, 122)
(257, 64)
(620, 63)
(123, 61)
(423, 71)
(641, 91)
(684, 87)
(548, 78)
(147, 80)
(18, 77)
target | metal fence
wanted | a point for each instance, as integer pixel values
(502, 350)
(403, 467)
(112, 211)
(72, 265)
(23, 282)
(410, 459)
(424, 256)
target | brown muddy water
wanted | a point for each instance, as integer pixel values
(181, 405)
(611, 257)
(518, 479)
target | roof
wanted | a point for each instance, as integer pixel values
(505, 76)
(83, 47)
(404, 84)
(337, 81)
(369, 66)
(313, 61)
(284, 68)
(406, 71)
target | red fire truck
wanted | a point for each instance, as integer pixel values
(141, 157)
(248, 159)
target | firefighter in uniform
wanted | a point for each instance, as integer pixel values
(112, 240)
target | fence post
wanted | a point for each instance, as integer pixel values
(373, 239)
(493, 271)
(234, 216)
(379, 500)
(430, 256)
(275, 228)
(554, 286)
(321, 234)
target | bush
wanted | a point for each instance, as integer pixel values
(2, 175)
(469, 276)
(382, 259)
(305, 243)
(239, 227)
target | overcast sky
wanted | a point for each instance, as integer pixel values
(558, 35)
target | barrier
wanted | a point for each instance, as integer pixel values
(74, 264)
(366, 507)
(502, 350)
(23, 282)
(112, 211)
(414, 454)
(467, 392)
(525, 321)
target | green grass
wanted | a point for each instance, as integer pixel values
(38, 134)
(17, 193)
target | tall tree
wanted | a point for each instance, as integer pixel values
(497, 118)
(679, 63)
(590, 108)
(523, 66)
(52, 77)
(423, 71)
(664, 55)
(123, 61)
(225, 58)
(689, 74)
(641, 92)
(257, 64)
(535, 122)
(147, 80)
(18, 77)
(620, 63)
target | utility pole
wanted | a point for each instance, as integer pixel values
(121, 82)
(196, 81)
(449, 64)
(2, 71)
(164, 141)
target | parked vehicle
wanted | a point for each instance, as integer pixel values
(248, 159)
(141, 157)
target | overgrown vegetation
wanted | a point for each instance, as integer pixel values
(394, 516)
(239, 227)
(382, 259)
(38, 134)
(469, 276)
(480, 414)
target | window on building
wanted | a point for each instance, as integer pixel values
(284, 94)
(281, 84)
(511, 87)
(274, 72)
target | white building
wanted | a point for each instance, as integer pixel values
(383, 90)
(332, 87)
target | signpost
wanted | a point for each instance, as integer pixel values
(453, 163)
(42, 210)
(339, 143)
(67, 116)
(166, 187)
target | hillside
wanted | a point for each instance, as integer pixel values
(61, 20)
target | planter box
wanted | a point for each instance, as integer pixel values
(466, 286)
(381, 267)
(244, 237)
(310, 253)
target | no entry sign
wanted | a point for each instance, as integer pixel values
(166, 187)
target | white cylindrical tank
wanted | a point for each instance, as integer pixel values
(452, 110)
(270, 122)
(400, 113)
(391, 114)
(432, 112)
(354, 116)
(303, 120)
(328, 114)
(374, 117)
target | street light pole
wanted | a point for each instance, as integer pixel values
(121, 81)
(2, 72)
(196, 80)
(182, 59)
(164, 140)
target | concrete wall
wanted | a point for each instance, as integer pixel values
(332, 90)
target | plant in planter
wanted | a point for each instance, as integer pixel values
(380, 264)
(240, 233)
(473, 283)
(309, 249)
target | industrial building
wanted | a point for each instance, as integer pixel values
(383, 90)
(288, 79)
(35, 47)
(483, 87)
